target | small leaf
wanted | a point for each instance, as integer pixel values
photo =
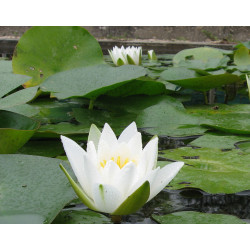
(80, 193)
(130, 60)
(135, 201)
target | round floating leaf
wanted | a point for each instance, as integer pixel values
(202, 54)
(48, 148)
(33, 189)
(222, 141)
(141, 86)
(18, 98)
(43, 51)
(15, 131)
(244, 146)
(165, 118)
(233, 119)
(242, 56)
(81, 217)
(10, 81)
(188, 79)
(191, 217)
(211, 170)
(91, 82)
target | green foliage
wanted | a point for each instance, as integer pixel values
(15, 131)
(212, 170)
(191, 217)
(44, 51)
(33, 189)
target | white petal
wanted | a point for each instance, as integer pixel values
(108, 136)
(126, 179)
(76, 156)
(82, 165)
(94, 135)
(135, 147)
(110, 172)
(149, 156)
(91, 152)
(163, 177)
(128, 133)
(106, 197)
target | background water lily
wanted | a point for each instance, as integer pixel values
(152, 55)
(129, 55)
(117, 176)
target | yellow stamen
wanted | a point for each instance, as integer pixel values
(118, 162)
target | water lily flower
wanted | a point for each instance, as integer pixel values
(117, 176)
(122, 56)
(152, 55)
(248, 85)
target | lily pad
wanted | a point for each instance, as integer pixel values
(43, 51)
(242, 56)
(91, 82)
(15, 131)
(217, 140)
(48, 148)
(211, 170)
(18, 98)
(62, 128)
(33, 189)
(81, 217)
(233, 119)
(203, 54)
(192, 217)
(165, 118)
(189, 79)
(143, 85)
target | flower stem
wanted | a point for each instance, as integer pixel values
(205, 96)
(91, 104)
(116, 219)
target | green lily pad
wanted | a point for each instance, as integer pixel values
(202, 54)
(81, 217)
(43, 51)
(5, 66)
(233, 119)
(18, 98)
(191, 217)
(24, 109)
(33, 189)
(242, 56)
(15, 131)
(117, 120)
(10, 81)
(91, 82)
(48, 148)
(210, 64)
(244, 146)
(165, 118)
(141, 86)
(211, 170)
(62, 128)
(187, 78)
(221, 141)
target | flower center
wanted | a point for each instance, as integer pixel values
(118, 161)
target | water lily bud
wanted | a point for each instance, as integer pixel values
(151, 55)
(248, 85)
(117, 176)
(122, 56)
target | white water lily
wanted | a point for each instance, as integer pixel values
(122, 56)
(151, 55)
(117, 176)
